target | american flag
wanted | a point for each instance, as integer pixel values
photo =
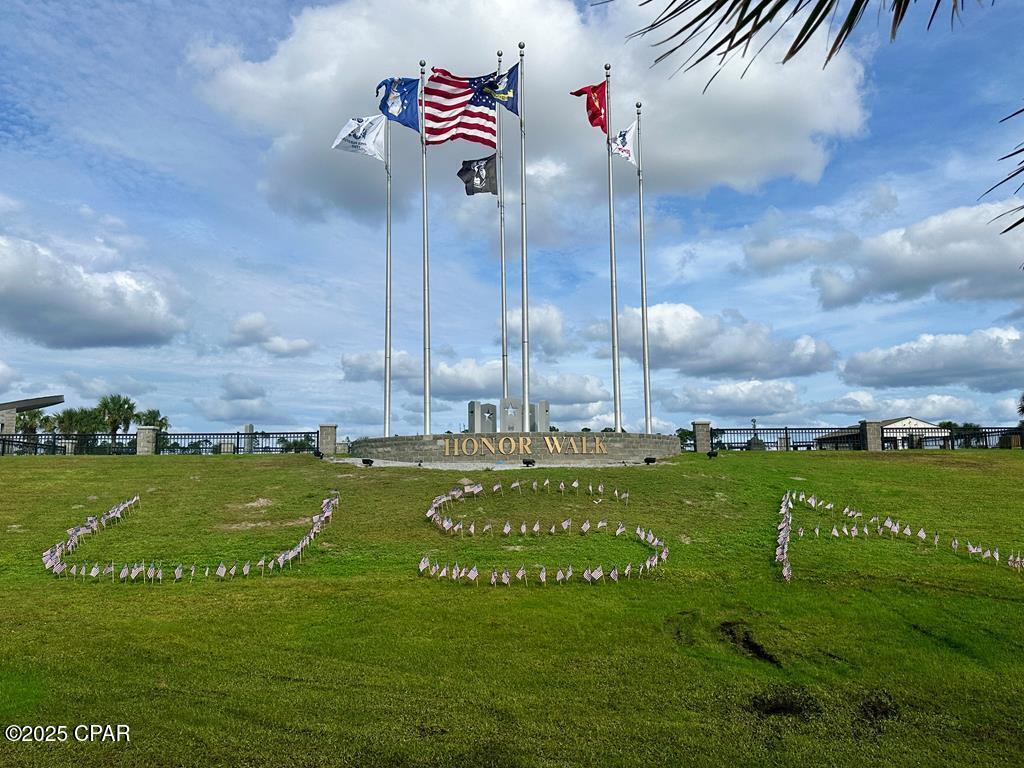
(458, 108)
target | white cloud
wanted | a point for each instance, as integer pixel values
(731, 399)
(988, 360)
(958, 255)
(64, 305)
(547, 332)
(98, 386)
(253, 329)
(241, 399)
(7, 376)
(9, 204)
(369, 366)
(930, 407)
(790, 114)
(681, 337)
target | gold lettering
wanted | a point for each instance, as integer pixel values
(599, 445)
(554, 443)
(455, 446)
(511, 446)
(526, 446)
(583, 441)
(571, 447)
(488, 443)
(447, 447)
(465, 446)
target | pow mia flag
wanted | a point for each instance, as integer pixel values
(480, 176)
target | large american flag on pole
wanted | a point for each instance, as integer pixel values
(458, 108)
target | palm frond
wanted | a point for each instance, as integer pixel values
(702, 29)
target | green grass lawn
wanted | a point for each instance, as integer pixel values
(878, 653)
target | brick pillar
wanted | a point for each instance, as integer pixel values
(145, 441)
(871, 435)
(702, 436)
(328, 439)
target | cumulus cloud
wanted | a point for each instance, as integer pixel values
(7, 376)
(63, 305)
(9, 204)
(253, 329)
(957, 255)
(790, 114)
(930, 407)
(548, 338)
(732, 399)
(682, 338)
(98, 386)
(241, 399)
(988, 360)
(469, 379)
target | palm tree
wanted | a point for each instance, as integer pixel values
(117, 411)
(28, 422)
(721, 29)
(1020, 406)
(152, 418)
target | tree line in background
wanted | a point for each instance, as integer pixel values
(110, 414)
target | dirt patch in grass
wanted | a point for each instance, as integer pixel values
(246, 525)
(260, 503)
(878, 706)
(739, 634)
(786, 699)
(426, 731)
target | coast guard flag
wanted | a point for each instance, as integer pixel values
(400, 100)
(362, 135)
(597, 102)
(505, 89)
(480, 176)
(624, 143)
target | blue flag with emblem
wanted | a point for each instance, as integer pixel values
(400, 101)
(505, 89)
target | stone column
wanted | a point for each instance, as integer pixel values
(328, 439)
(145, 441)
(8, 421)
(702, 436)
(247, 440)
(871, 435)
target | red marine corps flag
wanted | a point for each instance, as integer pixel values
(597, 105)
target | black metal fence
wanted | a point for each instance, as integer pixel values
(907, 438)
(237, 442)
(194, 443)
(787, 439)
(29, 445)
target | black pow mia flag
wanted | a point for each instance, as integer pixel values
(480, 176)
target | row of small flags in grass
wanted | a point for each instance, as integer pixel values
(590, 575)
(852, 529)
(153, 573)
(53, 558)
(472, 490)
(444, 523)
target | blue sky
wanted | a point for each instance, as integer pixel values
(174, 225)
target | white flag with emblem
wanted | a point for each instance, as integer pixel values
(363, 135)
(624, 143)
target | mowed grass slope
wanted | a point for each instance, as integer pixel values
(879, 653)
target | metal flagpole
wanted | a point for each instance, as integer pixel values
(643, 279)
(501, 247)
(426, 256)
(387, 286)
(522, 238)
(617, 393)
